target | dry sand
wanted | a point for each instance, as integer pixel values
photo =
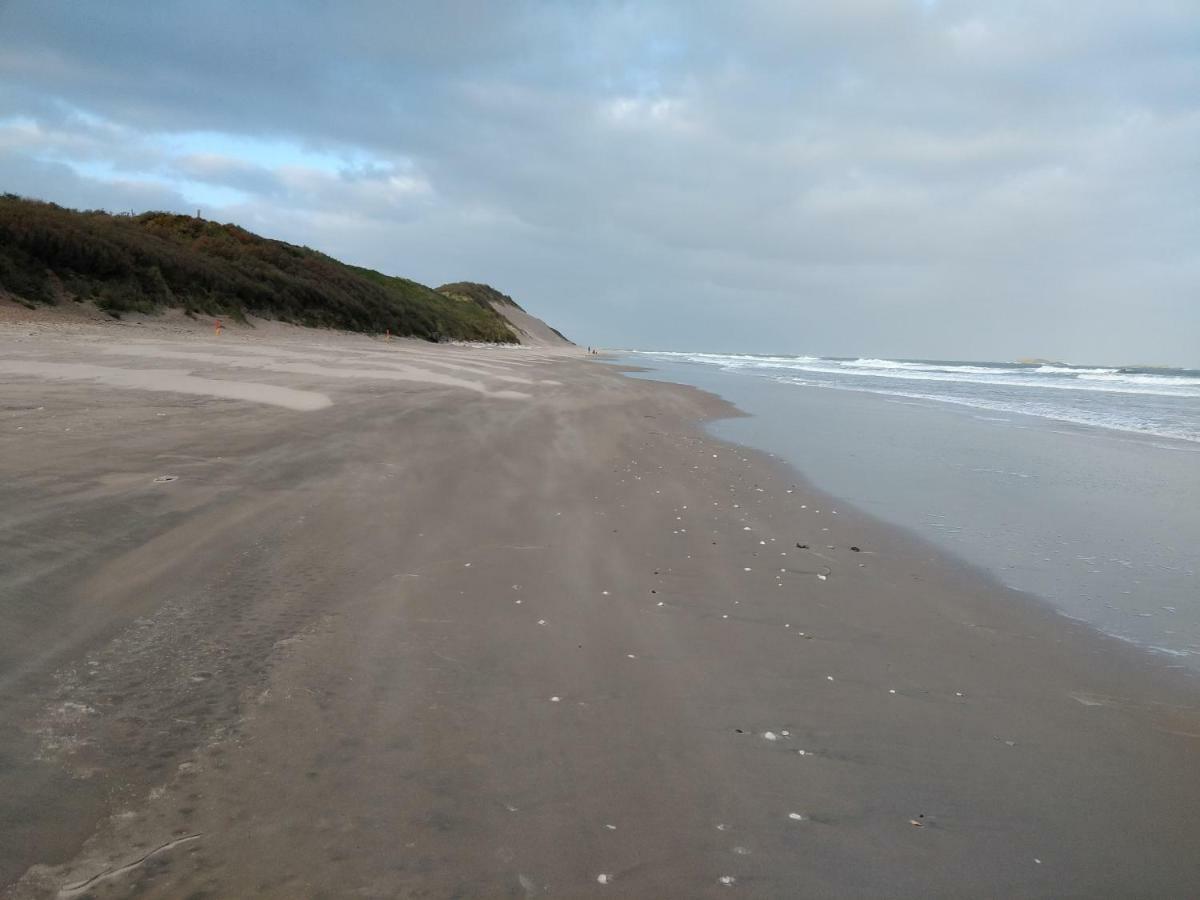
(477, 622)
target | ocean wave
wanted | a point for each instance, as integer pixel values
(1111, 421)
(1156, 404)
(723, 357)
(1072, 370)
(1015, 380)
(1055, 378)
(1130, 378)
(890, 365)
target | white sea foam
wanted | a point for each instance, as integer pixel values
(1166, 381)
(1159, 403)
(1111, 421)
(1047, 376)
(1072, 370)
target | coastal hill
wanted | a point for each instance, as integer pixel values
(50, 255)
(529, 329)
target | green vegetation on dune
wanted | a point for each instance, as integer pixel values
(482, 294)
(155, 260)
(488, 297)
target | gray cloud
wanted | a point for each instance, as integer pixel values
(883, 177)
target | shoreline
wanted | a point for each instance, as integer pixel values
(1079, 518)
(431, 639)
(1131, 652)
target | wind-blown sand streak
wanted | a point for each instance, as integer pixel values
(179, 381)
(325, 364)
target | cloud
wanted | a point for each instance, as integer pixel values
(884, 177)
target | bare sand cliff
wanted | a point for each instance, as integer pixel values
(302, 614)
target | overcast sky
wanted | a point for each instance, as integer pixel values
(856, 177)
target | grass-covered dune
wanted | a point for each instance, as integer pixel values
(489, 298)
(483, 294)
(148, 262)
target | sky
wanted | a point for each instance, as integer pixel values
(898, 178)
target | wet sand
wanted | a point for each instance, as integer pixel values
(506, 623)
(1100, 523)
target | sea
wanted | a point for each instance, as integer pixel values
(1077, 484)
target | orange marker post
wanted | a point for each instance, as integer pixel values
(217, 327)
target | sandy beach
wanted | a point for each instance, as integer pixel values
(301, 614)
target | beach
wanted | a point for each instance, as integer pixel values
(1085, 502)
(298, 613)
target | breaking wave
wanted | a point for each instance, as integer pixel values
(1161, 402)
